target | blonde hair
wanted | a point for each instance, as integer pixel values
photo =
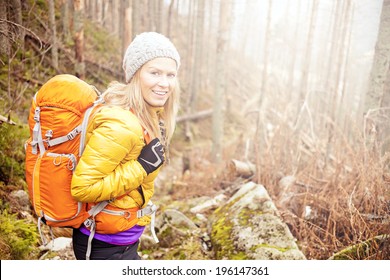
(129, 97)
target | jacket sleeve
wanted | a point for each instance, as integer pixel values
(102, 172)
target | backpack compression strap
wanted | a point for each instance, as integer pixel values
(90, 222)
(81, 128)
(149, 210)
(37, 133)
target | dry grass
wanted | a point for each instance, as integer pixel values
(332, 192)
(337, 194)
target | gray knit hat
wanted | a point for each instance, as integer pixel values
(147, 46)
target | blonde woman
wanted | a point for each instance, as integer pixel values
(126, 141)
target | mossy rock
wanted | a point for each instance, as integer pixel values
(179, 238)
(248, 227)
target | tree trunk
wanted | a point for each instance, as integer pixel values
(378, 94)
(52, 24)
(291, 72)
(18, 19)
(195, 81)
(124, 25)
(170, 17)
(4, 35)
(380, 68)
(127, 32)
(263, 89)
(159, 16)
(304, 88)
(78, 37)
(331, 86)
(220, 80)
(136, 19)
(65, 20)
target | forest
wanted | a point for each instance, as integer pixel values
(292, 95)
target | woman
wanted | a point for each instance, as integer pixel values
(126, 139)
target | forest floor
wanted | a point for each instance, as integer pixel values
(311, 229)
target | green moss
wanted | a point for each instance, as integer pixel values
(12, 139)
(189, 249)
(246, 216)
(220, 233)
(49, 255)
(280, 249)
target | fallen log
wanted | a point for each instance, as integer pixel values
(196, 116)
(243, 169)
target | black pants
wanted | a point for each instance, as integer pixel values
(102, 250)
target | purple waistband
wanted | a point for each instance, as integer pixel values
(127, 237)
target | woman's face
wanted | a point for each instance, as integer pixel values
(157, 80)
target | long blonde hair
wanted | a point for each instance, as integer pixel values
(158, 123)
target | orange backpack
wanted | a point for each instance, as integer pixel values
(58, 120)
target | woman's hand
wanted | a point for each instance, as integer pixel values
(152, 156)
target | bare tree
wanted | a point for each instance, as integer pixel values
(78, 37)
(379, 74)
(136, 18)
(220, 79)
(53, 29)
(18, 19)
(170, 17)
(304, 89)
(124, 28)
(195, 81)
(65, 4)
(377, 101)
(4, 36)
(128, 28)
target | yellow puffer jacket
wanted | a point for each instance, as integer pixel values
(108, 168)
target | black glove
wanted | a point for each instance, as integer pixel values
(152, 156)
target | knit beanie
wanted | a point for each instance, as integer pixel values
(147, 46)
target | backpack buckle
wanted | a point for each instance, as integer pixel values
(147, 211)
(89, 222)
(36, 114)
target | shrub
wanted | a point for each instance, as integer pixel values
(12, 153)
(18, 238)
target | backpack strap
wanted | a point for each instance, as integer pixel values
(82, 128)
(85, 122)
(90, 222)
(150, 210)
(70, 136)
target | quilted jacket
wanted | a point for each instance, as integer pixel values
(108, 168)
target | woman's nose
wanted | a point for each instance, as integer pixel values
(163, 82)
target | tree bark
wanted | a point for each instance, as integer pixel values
(127, 36)
(378, 94)
(136, 19)
(78, 37)
(220, 80)
(380, 68)
(4, 35)
(66, 35)
(170, 17)
(52, 24)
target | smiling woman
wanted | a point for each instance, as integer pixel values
(127, 141)
(157, 79)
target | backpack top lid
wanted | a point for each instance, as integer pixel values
(66, 91)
